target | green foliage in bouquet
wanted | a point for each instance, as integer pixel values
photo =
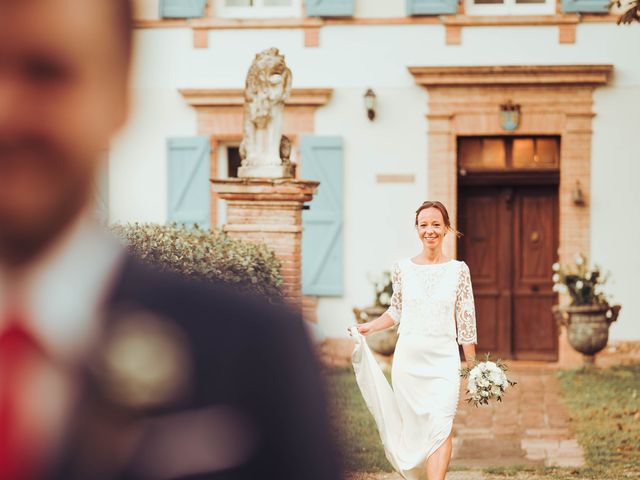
(207, 255)
(486, 377)
(584, 284)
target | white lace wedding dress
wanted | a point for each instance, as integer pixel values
(434, 307)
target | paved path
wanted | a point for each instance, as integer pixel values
(530, 427)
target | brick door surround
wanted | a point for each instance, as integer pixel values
(553, 99)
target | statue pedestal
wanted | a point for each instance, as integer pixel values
(265, 210)
(266, 171)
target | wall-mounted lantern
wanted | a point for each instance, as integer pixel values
(370, 103)
(577, 196)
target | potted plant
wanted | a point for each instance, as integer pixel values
(589, 315)
(383, 342)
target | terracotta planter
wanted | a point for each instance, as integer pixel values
(587, 327)
(383, 342)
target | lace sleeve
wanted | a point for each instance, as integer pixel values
(465, 308)
(395, 309)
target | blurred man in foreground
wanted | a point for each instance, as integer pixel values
(108, 369)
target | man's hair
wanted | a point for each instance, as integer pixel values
(124, 16)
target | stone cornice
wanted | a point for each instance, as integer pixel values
(209, 23)
(520, 75)
(509, 20)
(234, 97)
(265, 189)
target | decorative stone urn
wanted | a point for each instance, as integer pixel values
(383, 342)
(587, 327)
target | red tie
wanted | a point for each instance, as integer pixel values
(17, 348)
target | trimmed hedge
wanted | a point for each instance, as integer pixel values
(206, 254)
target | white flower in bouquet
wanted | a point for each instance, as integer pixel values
(496, 378)
(579, 259)
(471, 383)
(556, 267)
(485, 381)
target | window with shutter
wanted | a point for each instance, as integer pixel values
(510, 7)
(258, 8)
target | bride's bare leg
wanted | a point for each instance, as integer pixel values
(438, 462)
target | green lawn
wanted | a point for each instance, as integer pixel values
(357, 433)
(604, 406)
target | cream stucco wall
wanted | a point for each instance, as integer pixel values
(378, 216)
(615, 219)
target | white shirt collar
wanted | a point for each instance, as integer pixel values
(63, 292)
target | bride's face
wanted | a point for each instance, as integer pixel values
(431, 228)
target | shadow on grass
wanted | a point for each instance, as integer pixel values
(357, 434)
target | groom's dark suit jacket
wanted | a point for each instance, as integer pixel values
(252, 404)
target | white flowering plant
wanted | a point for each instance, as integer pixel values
(383, 289)
(486, 380)
(583, 283)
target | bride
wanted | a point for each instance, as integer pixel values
(433, 304)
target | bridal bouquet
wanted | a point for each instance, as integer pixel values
(486, 380)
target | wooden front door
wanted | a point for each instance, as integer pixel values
(510, 240)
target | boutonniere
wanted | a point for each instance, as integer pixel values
(143, 360)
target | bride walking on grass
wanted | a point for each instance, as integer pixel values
(433, 304)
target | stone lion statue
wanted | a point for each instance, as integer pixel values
(267, 87)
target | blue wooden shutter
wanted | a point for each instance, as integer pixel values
(431, 7)
(330, 8)
(322, 249)
(596, 6)
(188, 171)
(182, 8)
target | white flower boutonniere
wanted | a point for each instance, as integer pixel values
(144, 361)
